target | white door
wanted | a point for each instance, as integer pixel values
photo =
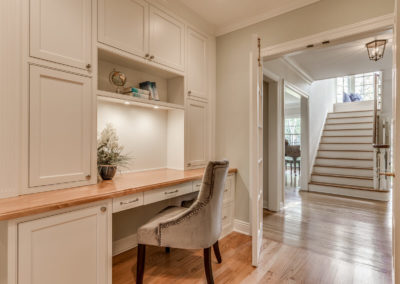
(196, 133)
(65, 248)
(256, 150)
(196, 50)
(60, 31)
(124, 24)
(59, 127)
(166, 39)
(396, 147)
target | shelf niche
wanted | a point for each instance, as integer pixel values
(170, 86)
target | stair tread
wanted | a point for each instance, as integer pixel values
(360, 116)
(348, 129)
(352, 143)
(363, 122)
(347, 186)
(346, 150)
(332, 158)
(350, 111)
(344, 167)
(352, 136)
(343, 176)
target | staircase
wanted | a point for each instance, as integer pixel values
(345, 158)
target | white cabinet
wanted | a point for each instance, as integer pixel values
(60, 31)
(166, 39)
(65, 248)
(196, 133)
(60, 113)
(138, 28)
(124, 24)
(196, 64)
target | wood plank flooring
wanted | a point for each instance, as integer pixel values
(315, 239)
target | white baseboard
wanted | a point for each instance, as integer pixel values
(124, 244)
(241, 227)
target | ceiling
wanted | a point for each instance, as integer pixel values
(229, 15)
(343, 59)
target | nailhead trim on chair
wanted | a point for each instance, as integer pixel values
(196, 207)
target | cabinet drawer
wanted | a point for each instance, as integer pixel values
(229, 189)
(197, 185)
(227, 216)
(167, 192)
(127, 202)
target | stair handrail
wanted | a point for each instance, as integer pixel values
(376, 117)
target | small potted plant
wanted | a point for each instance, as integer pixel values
(109, 153)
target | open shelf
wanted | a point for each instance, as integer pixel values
(130, 100)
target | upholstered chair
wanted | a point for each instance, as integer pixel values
(196, 227)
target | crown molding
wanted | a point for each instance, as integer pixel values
(297, 69)
(262, 17)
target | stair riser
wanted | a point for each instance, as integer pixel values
(373, 195)
(366, 147)
(340, 171)
(350, 114)
(348, 132)
(344, 181)
(344, 163)
(346, 139)
(349, 120)
(368, 125)
(354, 155)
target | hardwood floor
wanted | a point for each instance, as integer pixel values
(315, 239)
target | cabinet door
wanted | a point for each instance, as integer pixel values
(196, 133)
(166, 39)
(60, 31)
(124, 24)
(65, 248)
(196, 64)
(60, 114)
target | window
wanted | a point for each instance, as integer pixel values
(361, 84)
(293, 130)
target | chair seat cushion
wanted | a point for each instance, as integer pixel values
(148, 233)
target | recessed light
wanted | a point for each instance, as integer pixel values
(156, 107)
(127, 103)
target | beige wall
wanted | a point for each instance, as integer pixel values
(232, 105)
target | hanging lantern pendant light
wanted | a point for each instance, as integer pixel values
(376, 49)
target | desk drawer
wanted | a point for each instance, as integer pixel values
(127, 202)
(197, 185)
(229, 190)
(227, 217)
(167, 192)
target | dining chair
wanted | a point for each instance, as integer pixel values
(196, 227)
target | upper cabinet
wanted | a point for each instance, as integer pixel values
(167, 35)
(124, 24)
(60, 31)
(138, 28)
(196, 45)
(60, 121)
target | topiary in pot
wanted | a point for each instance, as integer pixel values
(109, 153)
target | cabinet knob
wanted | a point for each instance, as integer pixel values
(189, 92)
(147, 55)
(152, 57)
(103, 209)
(189, 164)
(88, 66)
(88, 176)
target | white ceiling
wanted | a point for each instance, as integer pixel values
(343, 59)
(229, 15)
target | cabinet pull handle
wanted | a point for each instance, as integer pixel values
(226, 190)
(147, 55)
(130, 201)
(224, 218)
(189, 164)
(88, 66)
(198, 185)
(171, 192)
(103, 209)
(88, 176)
(151, 57)
(189, 92)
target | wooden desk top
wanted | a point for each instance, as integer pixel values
(125, 184)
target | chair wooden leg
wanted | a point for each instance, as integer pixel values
(167, 249)
(207, 265)
(140, 263)
(217, 252)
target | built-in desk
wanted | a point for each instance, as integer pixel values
(56, 231)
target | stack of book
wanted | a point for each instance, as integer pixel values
(137, 93)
